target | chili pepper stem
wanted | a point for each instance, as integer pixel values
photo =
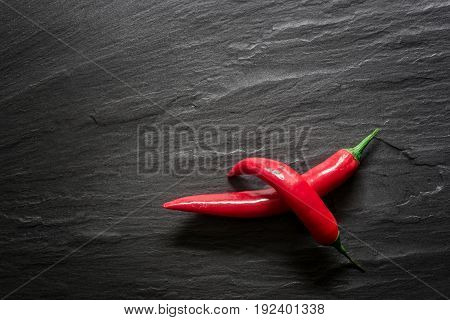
(339, 247)
(358, 150)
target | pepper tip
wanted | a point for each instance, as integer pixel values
(168, 205)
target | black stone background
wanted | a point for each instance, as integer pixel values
(78, 77)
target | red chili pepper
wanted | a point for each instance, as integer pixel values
(299, 196)
(323, 178)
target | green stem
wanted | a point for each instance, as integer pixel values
(338, 245)
(358, 150)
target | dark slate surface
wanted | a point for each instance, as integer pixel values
(78, 77)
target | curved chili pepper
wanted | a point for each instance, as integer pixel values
(242, 204)
(299, 196)
(323, 178)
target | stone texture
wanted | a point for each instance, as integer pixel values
(78, 77)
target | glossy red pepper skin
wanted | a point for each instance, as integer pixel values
(242, 204)
(323, 178)
(332, 172)
(297, 193)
